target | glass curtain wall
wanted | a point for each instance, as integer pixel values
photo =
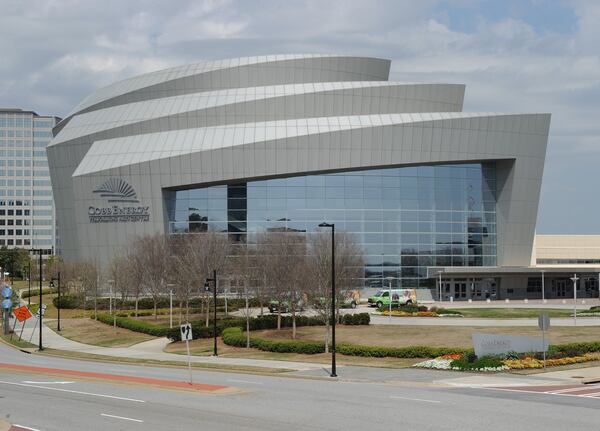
(404, 219)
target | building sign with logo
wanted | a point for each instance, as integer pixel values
(498, 344)
(122, 201)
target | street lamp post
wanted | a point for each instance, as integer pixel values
(59, 304)
(574, 280)
(39, 251)
(207, 288)
(29, 279)
(332, 226)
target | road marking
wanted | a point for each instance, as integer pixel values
(121, 417)
(46, 383)
(396, 397)
(524, 391)
(24, 427)
(244, 381)
(73, 392)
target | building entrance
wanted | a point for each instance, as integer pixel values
(561, 288)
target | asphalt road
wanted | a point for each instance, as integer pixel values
(409, 400)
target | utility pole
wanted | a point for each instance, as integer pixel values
(207, 288)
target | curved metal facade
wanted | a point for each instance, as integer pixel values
(259, 118)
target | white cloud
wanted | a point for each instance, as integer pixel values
(56, 52)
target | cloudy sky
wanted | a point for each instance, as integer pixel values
(513, 55)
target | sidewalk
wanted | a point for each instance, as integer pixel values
(152, 350)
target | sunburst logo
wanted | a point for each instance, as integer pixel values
(117, 190)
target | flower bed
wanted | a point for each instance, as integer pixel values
(531, 362)
(469, 362)
(421, 311)
(465, 362)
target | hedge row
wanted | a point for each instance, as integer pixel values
(35, 291)
(135, 325)
(200, 330)
(573, 349)
(236, 337)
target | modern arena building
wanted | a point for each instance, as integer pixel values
(434, 196)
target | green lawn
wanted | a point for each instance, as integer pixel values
(511, 313)
(15, 341)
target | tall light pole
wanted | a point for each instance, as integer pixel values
(332, 226)
(207, 288)
(39, 251)
(29, 279)
(574, 280)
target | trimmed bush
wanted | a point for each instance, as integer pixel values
(396, 352)
(68, 301)
(35, 291)
(356, 319)
(467, 362)
(236, 337)
(573, 349)
(135, 325)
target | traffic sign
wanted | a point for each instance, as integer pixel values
(22, 313)
(43, 310)
(186, 332)
(7, 292)
(6, 303)
(544, 321)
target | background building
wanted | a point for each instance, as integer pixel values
(26, 204)
(287, 142)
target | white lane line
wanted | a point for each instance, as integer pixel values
(121, 417)
(395, 397)
(537, 392)
(73, 392)
(29, 382)
(244, 381)
(564, 391)
(25, 428)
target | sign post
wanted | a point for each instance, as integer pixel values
(544, 324)
(6, 306)
(38, 315)
(22, 314)
(186, 335)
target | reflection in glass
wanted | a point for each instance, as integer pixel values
(405, 218)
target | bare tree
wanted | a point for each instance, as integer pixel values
(120, 273)
(285, 257)
(152, 261)
(90, 282)
(185, 273)
(195, 257)
(137, 271)
(348, 272)
(242, 264)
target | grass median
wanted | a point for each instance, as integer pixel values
(89, 331)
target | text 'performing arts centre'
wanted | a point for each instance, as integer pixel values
(286, 142)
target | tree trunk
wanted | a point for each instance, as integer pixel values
(279, 316)
(247, 321)
(187, 309)
(294, 322)
(327, 335)
(136, 305)
(155, 314)
(207, 311)
(96, 306)
(180, 311)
